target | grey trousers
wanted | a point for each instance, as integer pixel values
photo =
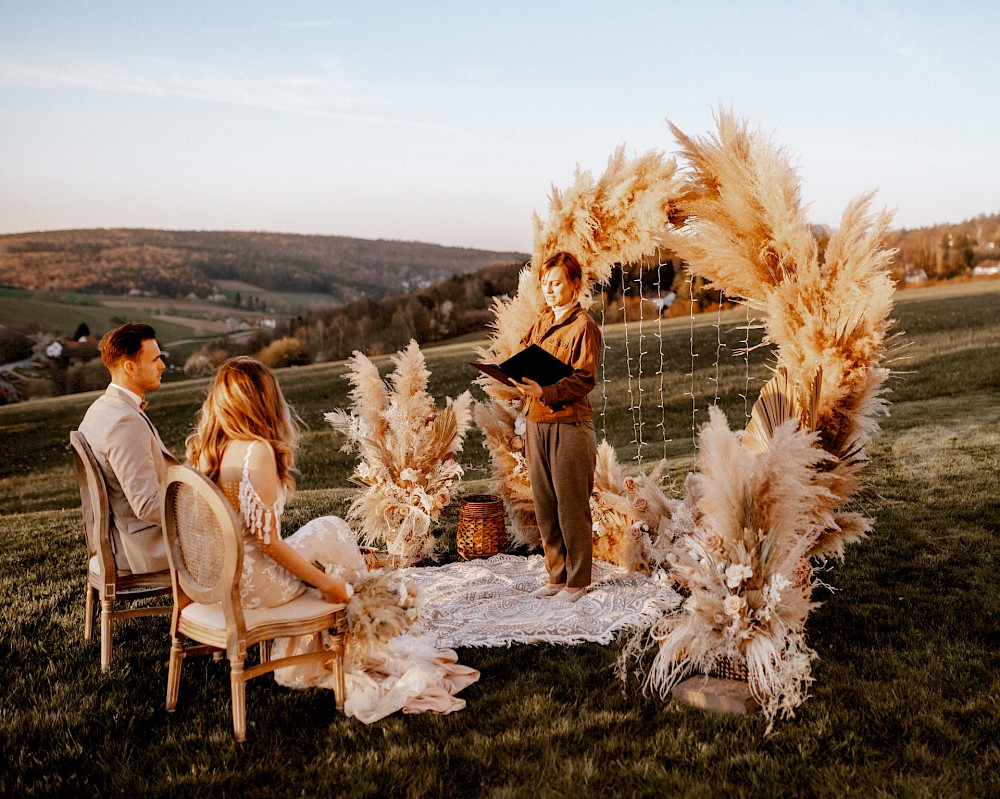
(561, 460)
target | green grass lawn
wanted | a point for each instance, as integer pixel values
(905, 701)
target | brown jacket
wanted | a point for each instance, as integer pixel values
(577, 341)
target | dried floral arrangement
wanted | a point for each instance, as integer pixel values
(619, 218)
(406, 449)
(768, 499)
(384, 605)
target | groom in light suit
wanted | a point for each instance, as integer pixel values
(128, 448)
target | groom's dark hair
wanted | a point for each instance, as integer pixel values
(124, 342)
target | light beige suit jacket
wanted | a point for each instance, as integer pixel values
(134, 460)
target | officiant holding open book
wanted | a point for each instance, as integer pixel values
(561, 445)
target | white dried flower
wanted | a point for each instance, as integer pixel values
(734, 604)
(737, 573)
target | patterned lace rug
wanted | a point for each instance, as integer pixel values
(489, 603)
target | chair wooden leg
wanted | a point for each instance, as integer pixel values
(88, 619)
(265, 651)
(107, 615)
(239, 698)
(174, 673)
(339, 683)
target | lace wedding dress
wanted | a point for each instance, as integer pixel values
(412, 674)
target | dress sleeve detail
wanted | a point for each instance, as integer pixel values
(260, 518)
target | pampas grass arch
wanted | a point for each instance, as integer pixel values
(766, 501)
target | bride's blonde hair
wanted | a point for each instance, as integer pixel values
(245, 403)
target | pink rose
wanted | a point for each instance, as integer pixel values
(630, 484)
(640, 503)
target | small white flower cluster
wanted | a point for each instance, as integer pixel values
(409, 598)
(520, 425)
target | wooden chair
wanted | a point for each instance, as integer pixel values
(204, 540)
(110, 584)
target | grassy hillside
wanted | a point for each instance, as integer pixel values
(175, 263)
(904, 703)
(63, 317)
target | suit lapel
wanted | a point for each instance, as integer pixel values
(152, 428)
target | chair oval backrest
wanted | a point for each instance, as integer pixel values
(94, 501)
(203, 537)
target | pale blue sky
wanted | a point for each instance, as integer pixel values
(448, 122)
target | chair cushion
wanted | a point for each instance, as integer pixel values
(303, 608)
(95, 568)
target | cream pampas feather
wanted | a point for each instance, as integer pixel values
(616, 220)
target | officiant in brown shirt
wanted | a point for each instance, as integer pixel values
(561, 445)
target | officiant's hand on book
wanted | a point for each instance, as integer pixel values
(528, 387)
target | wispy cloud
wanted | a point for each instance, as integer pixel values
(877, 34)
(324, 94)
(310, 23)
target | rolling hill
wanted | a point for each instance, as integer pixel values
(181, 263)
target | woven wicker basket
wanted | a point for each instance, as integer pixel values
(727, 668)
(481, 530)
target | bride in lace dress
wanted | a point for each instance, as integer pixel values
(245, 441)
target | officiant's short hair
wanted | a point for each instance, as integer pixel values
(124, 342)
(569, 264)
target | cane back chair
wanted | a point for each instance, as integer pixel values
(204, 541)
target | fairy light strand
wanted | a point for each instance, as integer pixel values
(637, 422)
(690, 374)
(604, 360)
(659, 370)
(628, 352)
(718, 348)
(745, 394)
